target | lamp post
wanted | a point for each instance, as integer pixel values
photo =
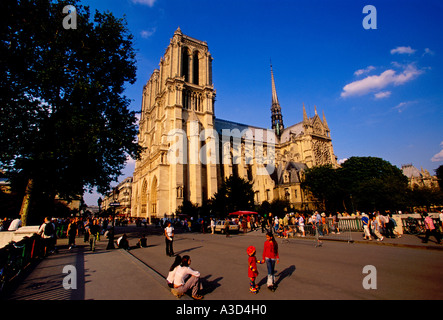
(114, 205)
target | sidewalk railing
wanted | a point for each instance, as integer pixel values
(17, 256)
(340, 230)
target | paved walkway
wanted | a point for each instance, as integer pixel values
(101, 275)
(119, 275)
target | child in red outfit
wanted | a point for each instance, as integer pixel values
(252, 270)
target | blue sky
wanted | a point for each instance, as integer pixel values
(381, 89)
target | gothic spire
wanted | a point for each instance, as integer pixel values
(276, 116)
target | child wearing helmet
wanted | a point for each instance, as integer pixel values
(252, 269)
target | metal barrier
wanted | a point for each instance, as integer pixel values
(415, 224)
(338, 230)
(17, 256)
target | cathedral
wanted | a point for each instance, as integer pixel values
(188, 152)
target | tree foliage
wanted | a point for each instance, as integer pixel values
(323, 182)
(361, 183)
(64, 120)
(374, 183)
(235, 194)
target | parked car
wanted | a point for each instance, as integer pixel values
(220, 226)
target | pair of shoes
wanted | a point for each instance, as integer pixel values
(253, 290)
(176, 293)
(197, 297)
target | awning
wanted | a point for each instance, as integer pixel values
(242, 213)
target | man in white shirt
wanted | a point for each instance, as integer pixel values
(169, 236)
(212, 225)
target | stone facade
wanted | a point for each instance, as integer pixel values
(419, 178)
(188, 151)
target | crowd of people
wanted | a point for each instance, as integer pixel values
(182, 277)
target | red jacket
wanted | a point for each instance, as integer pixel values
(270, 250)
(252, 270)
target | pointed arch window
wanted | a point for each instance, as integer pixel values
(185, 64)
(195, 70)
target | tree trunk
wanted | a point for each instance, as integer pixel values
(26, 202)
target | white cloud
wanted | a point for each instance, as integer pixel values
(363, 71)
(428, 51)
(382, 94)
(379, 82)
(147, 33)
(439, 156)
(341, 161)
(149, 3)
(401, 106)
(403, 50)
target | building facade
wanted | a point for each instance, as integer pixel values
(419, 178)
(188, 152)
(121, 194)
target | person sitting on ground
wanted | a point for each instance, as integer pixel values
(172, 270)
(142, 242)
(186, 279)
(123, 242)
(280, 231)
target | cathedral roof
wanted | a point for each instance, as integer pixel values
(258, 134)
(410, 171)
(295, 129)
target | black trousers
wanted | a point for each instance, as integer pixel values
(169, 249)
(434, 233)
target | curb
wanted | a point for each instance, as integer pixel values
(381, 243)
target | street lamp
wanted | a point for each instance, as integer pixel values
(114, 205)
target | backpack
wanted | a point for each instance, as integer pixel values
(49, 229)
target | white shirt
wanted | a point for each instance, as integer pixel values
(15, 224)
(41, 230)
(301, 221)
(169, 231)
(181, 273)
(171, 275)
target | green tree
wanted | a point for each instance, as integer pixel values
(361, 183)
(373, 184)
(189, 209)
(424, 197)
(65, 124)
(323, 182)
(280, 207)
(235, 194)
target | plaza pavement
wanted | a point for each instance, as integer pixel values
(140, 273)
